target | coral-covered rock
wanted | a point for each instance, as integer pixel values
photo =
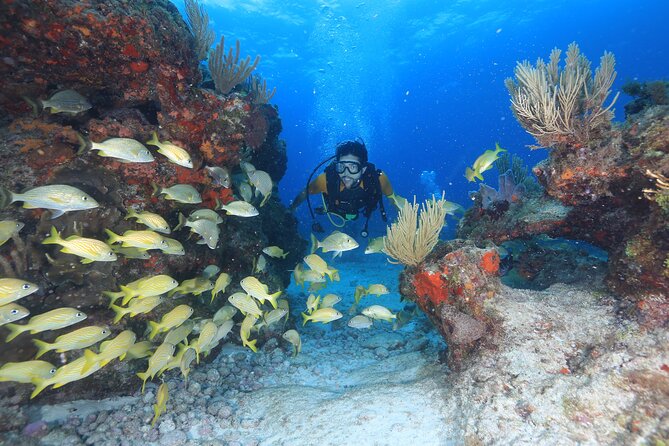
(605, 195)
(134, 62)
(451, 287)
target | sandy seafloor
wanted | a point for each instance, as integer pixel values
(537, 382)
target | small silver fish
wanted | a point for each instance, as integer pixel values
(59, 198)
(124, 150)
(182, 193)
(220, 175)
(207, 229)
(67, 101)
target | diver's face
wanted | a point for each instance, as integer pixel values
(350, 170)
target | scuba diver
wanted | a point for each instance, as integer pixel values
(350, 184)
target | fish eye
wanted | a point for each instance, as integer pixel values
(104, 332)
(14, 311)
(84, 198)
(79, 314)
(52, 371)
(162, 242)
(25, 286)
(111, 253)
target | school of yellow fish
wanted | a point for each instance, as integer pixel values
(175, 339)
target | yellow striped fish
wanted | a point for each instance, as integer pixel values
(90, 249)
(12, 312)
(245, 304)
(137, 239)
(258, 290)
(15, 289)
(26, 372)
(51, 320)
(110, 350)
(157, 362)
(172, 319)
(72, 371)
(74, 340)
(151, 220)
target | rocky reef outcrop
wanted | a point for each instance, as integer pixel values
(135, 64)
(606, 193)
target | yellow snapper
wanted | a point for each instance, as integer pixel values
(245, 332)
(12, 312)
(139, 350)
(258, 290)
(26, 372)
(157, 362)
(181, 193)
(131, 252)
(15, 289)
(330, 300)
(70, 372)
(245, 304)
(123, 149)
(298, 274)
(207, 214)
(377, 289)
(145, 287)
(312, 303)
(275, 251)
(174, 318)
(180, 333)
(316, 263)
(240, 209)
(483, 163)
(137, 306)
(312, 277)
(171, 151)
(336, 242)
(323, 315)
(89, 249)
(137, 239)
(194, 286)
(187, 358)
(173, 247)
(220, 285)
(360, 292)
(274, 316)
(161, 402)
(110, 350)
(451, 208)
(293, 337)
(58, 198)
(207, 229)
(51, 320)
(226, 312)
(220, 175)
(207, 335)
(262, 182)
(9, 228)
(151, 220)
(66, 101)
(376, 245)
(74, 340)
(360, 322)
(379, 312)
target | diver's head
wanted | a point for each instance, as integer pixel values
(351, 162)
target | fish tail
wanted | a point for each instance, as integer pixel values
(498, 148)
(252, 345)
(143, 377)
(40, 384)
(156, 188)
(285, 255)
(154, 141)
(34, 105)
(91, 359)
(42, 347)
(15, 330)
(478, 175)
(155, 328)
(6, 197)
(130, 214)
(314, 244)
(182, 222)
(114, 296)
(84, 144)
(331, 272)
(113, 238)
(119, 313)
(305, 319)
(128, 294)
(273, 297)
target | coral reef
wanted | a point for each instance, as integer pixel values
(451, 286)
(598, 189)
(136, 63)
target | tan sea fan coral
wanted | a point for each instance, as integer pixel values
(562, 106)
(412, 237)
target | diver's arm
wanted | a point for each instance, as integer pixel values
(319, 185)
(387, 190)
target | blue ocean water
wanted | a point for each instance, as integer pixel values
(422, 81)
